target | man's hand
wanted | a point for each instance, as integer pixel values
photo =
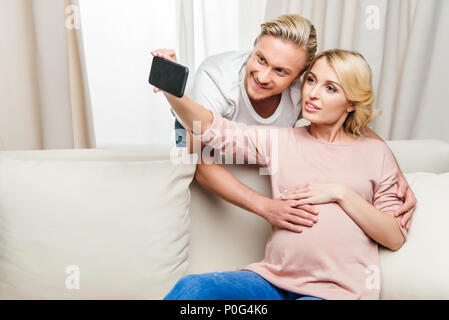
(280, 213)
(409, 206)
(168, 54)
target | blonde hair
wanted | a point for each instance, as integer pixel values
(294, 28)
(354, 75)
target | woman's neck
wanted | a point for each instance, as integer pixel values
(330, 133)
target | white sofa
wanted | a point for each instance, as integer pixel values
(128, 223)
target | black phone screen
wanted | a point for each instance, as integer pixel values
(168, 76)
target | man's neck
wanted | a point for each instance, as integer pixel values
(266, 107)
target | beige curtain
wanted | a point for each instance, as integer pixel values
(405, 42)
(44, 97)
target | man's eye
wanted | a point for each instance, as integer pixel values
(280, 70)
(261, 59)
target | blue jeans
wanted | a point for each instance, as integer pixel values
(180, 134)
(231, 285)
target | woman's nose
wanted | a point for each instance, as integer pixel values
(314, 92)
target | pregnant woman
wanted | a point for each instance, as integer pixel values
(330, 164)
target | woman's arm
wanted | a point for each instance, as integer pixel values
(380, 226)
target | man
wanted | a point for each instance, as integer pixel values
(263, 88)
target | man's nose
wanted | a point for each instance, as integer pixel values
(264, 76)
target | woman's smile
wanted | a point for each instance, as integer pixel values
(311, 107)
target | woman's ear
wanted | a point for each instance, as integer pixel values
(351, 107)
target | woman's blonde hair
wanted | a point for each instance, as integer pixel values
(354, 75)
(292, 27)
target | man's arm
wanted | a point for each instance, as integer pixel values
(278, 213)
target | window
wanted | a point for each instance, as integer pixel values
(118, 37)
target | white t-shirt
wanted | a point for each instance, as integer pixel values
(219, 87)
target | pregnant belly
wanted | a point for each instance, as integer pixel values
(334, 240)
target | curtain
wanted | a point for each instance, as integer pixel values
(404, 42)
(44, 98)
(208, 27)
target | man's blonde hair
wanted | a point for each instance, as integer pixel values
(294, 28)
(354, 74)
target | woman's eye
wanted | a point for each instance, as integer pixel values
(331, 89)
(262, 60)
(310, 80)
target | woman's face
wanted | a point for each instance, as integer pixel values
(273, 65)
(323, 98)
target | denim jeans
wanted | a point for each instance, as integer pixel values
(180, 134)
(230, 285)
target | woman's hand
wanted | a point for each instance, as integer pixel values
(408, 208)
(314, 193)
(168, 54)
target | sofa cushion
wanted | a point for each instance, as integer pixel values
(92, 229)
(419, 270)
(421, 155)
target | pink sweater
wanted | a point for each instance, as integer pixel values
(334, 259)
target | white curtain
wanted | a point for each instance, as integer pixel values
(44, 100)
(405, 43)
(208, 27)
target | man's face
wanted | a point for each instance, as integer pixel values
(273, 65)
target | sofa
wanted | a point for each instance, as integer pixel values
(128, 223)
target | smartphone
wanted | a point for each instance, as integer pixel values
(169, 76)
